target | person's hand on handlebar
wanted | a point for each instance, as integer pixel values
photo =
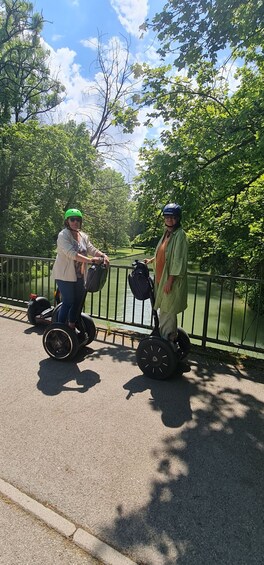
(106, 260)
(96, 260)
(101, 259)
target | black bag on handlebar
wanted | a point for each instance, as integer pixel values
(96, 278)
(141, 284)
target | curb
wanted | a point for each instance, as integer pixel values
(89, 543)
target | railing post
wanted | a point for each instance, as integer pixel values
(206, 311)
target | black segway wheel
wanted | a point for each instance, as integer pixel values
(87, 327)
(155, 358)
(55, 313)
(60, 342)
(184, 344)
(36, 307)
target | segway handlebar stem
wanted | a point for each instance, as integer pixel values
(145, 270)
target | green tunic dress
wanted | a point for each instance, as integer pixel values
(175, 264)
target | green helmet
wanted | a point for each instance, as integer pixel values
(72, 212)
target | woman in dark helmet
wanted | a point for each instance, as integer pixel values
(73, 248)
(170, 267)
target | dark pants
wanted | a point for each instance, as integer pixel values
(72, 294)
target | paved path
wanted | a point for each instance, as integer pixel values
(165, 473)
(24, 539)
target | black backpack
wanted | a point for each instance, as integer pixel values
(96, 278)
(141, 284)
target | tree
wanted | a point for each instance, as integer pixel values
(211, 161)
(107, 210)
(211, 156)
(110, 112)
(26, 87)
(197, 30)
(45, 170)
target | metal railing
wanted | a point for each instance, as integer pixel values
(218, 310)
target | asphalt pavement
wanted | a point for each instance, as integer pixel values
(25, 539)
(99, 462)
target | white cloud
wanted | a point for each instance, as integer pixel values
(112, 49)
(80, 105)
(90, 43)
(57, 37)
(131, 14)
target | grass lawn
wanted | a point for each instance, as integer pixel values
(126, 252)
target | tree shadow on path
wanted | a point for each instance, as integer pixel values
(206, 491)
(171, 398)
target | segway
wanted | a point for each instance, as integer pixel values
(62, 342)
(156, 357)
(40, 311)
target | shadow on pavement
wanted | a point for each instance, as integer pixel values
(205, 495)
(170, 397)
(54, 376)
(206, 499)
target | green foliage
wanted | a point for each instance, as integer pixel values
(209, 156)
(44, 171)
(107, 211)
(135, 225)
(125, 116)
(197, 30)
(26, 87)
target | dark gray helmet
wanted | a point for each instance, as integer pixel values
(172, 209)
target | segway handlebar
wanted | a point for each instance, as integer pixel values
(142, 285)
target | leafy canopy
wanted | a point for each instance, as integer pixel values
(27, 89)
(210, 153)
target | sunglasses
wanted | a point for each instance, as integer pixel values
(75, 218)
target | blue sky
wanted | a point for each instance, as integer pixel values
(68, 32)
(71, 21)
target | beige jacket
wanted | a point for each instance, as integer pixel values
(67, 249)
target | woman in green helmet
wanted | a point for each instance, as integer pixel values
(74, 253)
